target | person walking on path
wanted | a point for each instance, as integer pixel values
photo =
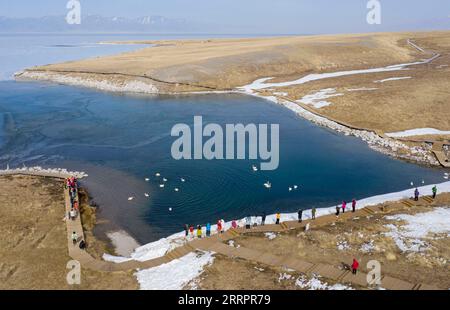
(263, 219)
(186, 230)
(416, 194)
(74, 238)
(434, 190)
(355, 266)
(353, 205)
(73, 214)
(278, 219)
(208, 229)
(313, 213)
(344, 206)
(300, 215)
(199, 231)
(219, 226)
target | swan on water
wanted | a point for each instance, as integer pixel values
(161, 185)
(147, 179)
(164, 180)
(157, 174)
(290, 189)
(295, 186)
(146, 195)
(176, 189)
(170, 209)
(412, 183)
(267, 184)
(183, 180)
(130, 198)
(254, 168)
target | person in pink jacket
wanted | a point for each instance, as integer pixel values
(344, 205)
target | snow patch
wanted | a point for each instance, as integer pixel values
(417, 132)
(317, 100)
(393, 79)
(411, 236)
(39, 171)
(270, 235)
(176, 274)
(315, 284)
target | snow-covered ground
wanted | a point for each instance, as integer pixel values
(315, 284)
(393, 79)
(412, 235)
(417, 132)
(318, 99)
(270, 235)
(56, 172)
(176, 274)
(261, 83)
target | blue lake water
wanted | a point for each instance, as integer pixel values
(121, 139)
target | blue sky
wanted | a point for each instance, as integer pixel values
(259, 16)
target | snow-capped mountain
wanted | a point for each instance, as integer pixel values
(97, 23)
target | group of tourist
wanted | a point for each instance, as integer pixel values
(72, 185)
(417, 193)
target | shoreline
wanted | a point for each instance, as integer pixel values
(163, 246)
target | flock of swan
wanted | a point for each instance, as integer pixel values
(161, 185)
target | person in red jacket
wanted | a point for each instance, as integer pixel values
(219, 226)
(355, 266)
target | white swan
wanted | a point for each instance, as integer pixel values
(130, 198)
(290, 189)
(147, 179)
(164, 180)
(267, 184)
(254, 168)
(176, 189)
(161, 185)
(157, 174)
(146, 195)
(295, 186)
(183, 180)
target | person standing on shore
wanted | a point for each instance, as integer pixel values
(263, 219)
(300, 215)
(234, 224)
(248, 222)
(355, 266)
(416, 194)
(191, 230)
(219, 226)
(208, 229)
(353, 205)
(199, 231)
(434, 190)
(278, 219)
(313, 213)
(337, 211)
(186, 230)
(344, 206)
(74, 238)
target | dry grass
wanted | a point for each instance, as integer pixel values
(33, 247)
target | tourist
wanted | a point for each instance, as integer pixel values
(416, 194)
(75, 205)
(355, 266)
(72, 214)
(344, 205)
(223, 225)
(208, 229)
(300, 215)
(434, 189)
(313, 213)
(219, 226)
(234, 224)
(191, 230)
(353, 205)
(278, 219)
(248, 222)
(199, 231)
(82, 245)
(74, 238)
(186, 230)
(263, 219)
(337, 211)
